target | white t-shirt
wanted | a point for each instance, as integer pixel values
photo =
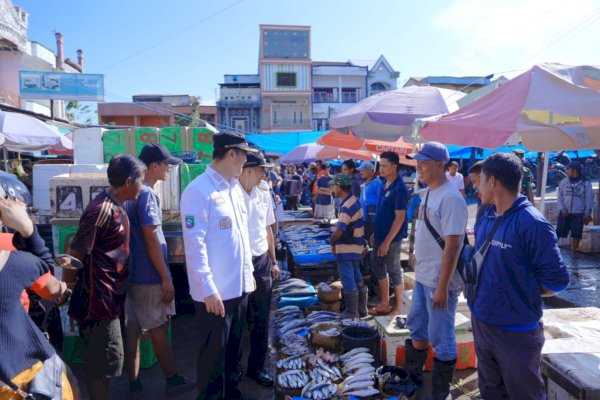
(260, 216)
(457, 180)
(448, 215)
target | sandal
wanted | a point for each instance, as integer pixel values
(376, 312)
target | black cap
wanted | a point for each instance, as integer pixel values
(232, 140)
(257, 160)
(156, 152)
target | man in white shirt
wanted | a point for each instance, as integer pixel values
(456, 178)
(261, 217)
(219, 263)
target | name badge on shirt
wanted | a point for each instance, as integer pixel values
(225, 223)
(387, 194)
(219, 199)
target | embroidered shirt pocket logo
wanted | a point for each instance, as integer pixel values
(225, 223)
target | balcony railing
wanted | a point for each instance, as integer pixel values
(349, 98)
(239, 103)
(290, 123)
(324, 98)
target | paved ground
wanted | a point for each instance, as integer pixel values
(585, 279)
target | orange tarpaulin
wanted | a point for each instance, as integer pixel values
(349, 141)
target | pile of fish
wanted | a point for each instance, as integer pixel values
(326, 356)
(293, 362)
(322, 317)
(357, 364)
(292, 339)
(292, 379)
(289, 319)
(324, 372)
(319, 390)
(324, 287)
(294, 287)
(331, 332)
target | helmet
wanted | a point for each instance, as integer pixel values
(12, 188)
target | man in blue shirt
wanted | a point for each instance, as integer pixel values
(150, 295)
(390, 229)
(369, 195)
(523, 264)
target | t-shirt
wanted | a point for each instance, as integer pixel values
(323, 199)
(391, 199)
(447, 213)
(144, 211)
(457, 180)
(350, 245)
(369, 197)
(103, 236)
(292, 185)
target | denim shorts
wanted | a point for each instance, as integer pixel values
(350, 275)
(433, 325)
(389, 265)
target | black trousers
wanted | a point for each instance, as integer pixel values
(259, 306)
(291, 203)
(219, 339)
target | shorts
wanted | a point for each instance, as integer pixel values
(324, 211)
(388, 266)
(102, 348)
(572, 223)
(144, 304)
(432, 324)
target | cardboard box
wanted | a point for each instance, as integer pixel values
(70, 194)
(393, 338)
(202, 143)
(115, 142)
(189, 172)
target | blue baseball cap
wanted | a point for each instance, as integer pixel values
(435, 151)
(365, 165)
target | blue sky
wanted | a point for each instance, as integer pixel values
(185, 46)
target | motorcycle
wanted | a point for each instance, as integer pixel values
(556, 173)
(591, 167)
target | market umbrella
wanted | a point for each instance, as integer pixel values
(313, 151)
(390, 115)
(550, 107)
(349, 141)
(25, 133)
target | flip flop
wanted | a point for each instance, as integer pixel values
(376, 312)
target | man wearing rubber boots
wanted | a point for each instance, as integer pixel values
(261, 217)
(439, 235)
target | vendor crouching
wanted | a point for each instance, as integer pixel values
(347, 243)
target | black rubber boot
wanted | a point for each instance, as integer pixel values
(441, 381)
(351, 305)
(415, 361)
(363, 297)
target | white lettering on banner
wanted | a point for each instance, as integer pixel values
(384, 147)
(503, 246)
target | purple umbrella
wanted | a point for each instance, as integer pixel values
(390, 115)
(303, 153)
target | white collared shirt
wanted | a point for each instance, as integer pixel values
(259, 204)
(215, 236)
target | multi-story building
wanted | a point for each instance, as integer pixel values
(156, 110)
(465, 84)
(336, 86)
(285, 78)
(293, 93)
(240, 102)
(18, 53)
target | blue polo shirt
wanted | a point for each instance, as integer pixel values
(393, 198)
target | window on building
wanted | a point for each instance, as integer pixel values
(324, 95)
(286, 79)
(378, 87)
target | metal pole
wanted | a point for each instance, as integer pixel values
(5, 153)
(544, 182)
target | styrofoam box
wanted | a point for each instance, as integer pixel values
(42, 173)
(393, 342)
(551, 210)
(169, 191)
(462, 306)
(87, 145)
(70, 194)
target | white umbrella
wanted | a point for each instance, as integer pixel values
(24, 133)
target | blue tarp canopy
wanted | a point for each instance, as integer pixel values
(283, 143)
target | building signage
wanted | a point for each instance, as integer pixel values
(61, 86)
